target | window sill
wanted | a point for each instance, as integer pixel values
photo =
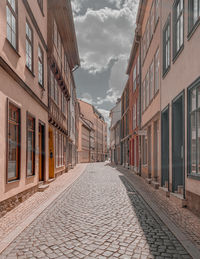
(194, 176)
(31, 72)
(178, 53)
(15, 50)
(193, 29)
(166, 72)
(30, 176)
(12, 181)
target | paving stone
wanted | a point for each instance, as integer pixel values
(97, 217)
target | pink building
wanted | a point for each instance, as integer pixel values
(23, 100)
(180, 91)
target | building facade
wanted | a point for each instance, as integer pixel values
(180, 99)
(63, 58)
(115, 133)
(150, 87)
(98, 132)
(133, 72)
(38, 53)
(24, 99)
(125, 159)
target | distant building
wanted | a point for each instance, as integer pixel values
(98, 133)
(115, 133)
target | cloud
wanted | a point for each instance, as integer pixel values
(104, 35)
(86, 97)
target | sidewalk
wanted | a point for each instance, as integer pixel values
(174, 216)
(15, 221)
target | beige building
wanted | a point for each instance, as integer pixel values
(180, 99)
(98, 133)
(23, 99)
(63, 58)
(149, 26)
(36, 94)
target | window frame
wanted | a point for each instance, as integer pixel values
(157, 64)
(15, 14)
(41, 5)
(29, 115)
(31, 42)
(195, 86)
(42, 63)
(18, 159)
(176, 50)
(192, 25)
(167, 41)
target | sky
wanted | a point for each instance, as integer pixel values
(105, 32)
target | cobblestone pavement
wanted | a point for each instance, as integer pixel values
(182, 217)
(100, 216)
(29, 207)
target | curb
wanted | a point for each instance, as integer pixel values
(5, 242)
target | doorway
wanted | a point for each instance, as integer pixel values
(149, 151)
(51, 154)
(165, 147)
(178, 132)
(41, 151)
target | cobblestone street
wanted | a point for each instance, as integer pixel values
(100, 216)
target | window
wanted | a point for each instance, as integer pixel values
(40, 67)
(147, 90)
(134, 79)
(63, 103)
(40, 3)
(29, 47)
(11, 17)
(52, 85)
(144, 149)
(138, 111)
(147, 35)
(156, 72)
(13, 166)
(156, 11)
(56, 96)
(151, 93)
(166, 46)
(55, 33)
(194, 13)
(134, 116)
(177, 27)
(30, 145)
(194, 131)
(143, 96)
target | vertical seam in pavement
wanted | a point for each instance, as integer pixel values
(5, 242)
(186, 242)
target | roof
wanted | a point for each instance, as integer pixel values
(62, 12)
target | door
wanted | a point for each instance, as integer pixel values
(178, 143)
(165, 148)
(41, 153)
(155, 153)
(51, 154)
(149, 152)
